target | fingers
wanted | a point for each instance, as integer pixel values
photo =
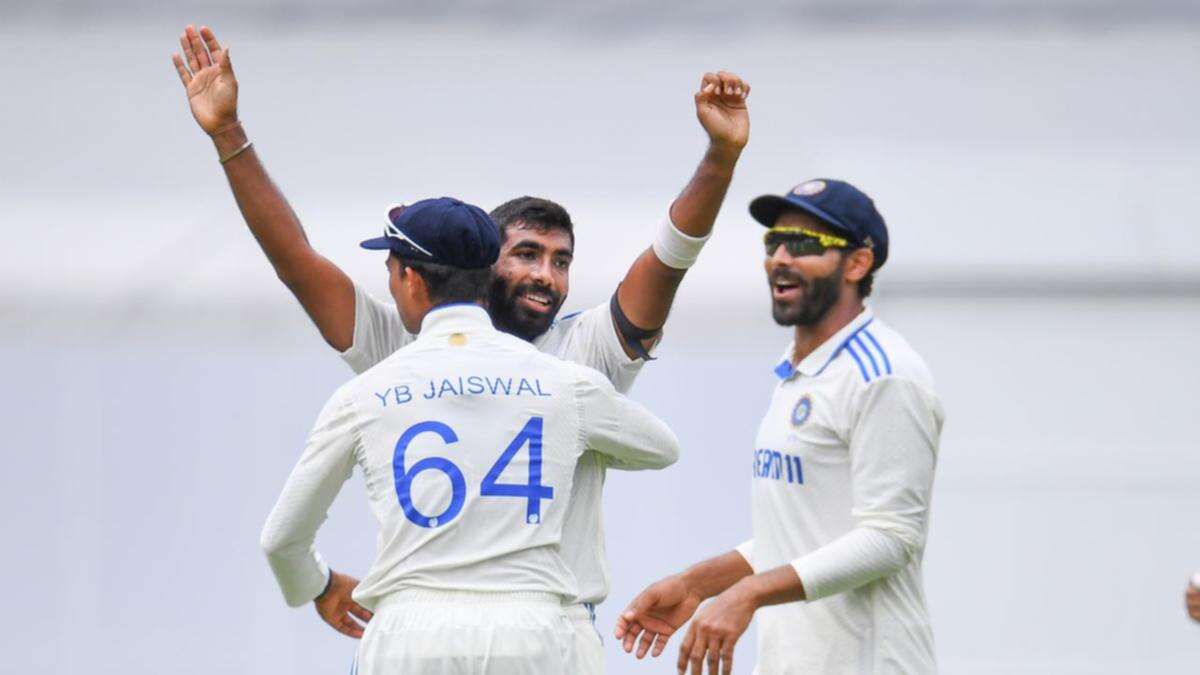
(646, 642)
(184, 75)
(660, 643)
(349, 627)
(685, 649)
(210, 40)
(198, 47)
(625, 621)
(188, 55)
(727, 660)
(696, 658)
(361, 612)
(713, 654)
(725, 86)
(631, 635)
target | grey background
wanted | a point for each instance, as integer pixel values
(1036, 163)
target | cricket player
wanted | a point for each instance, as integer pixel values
(842, 472)
(468, 439)
(531, 281)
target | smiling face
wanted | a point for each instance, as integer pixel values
(804, 288)
(530, 280)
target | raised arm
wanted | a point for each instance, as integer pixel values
(325, 292)
(648, 290)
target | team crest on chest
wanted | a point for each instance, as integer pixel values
(802, 410)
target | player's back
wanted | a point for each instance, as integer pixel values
(468, 440)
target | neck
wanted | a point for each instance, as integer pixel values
(808, 338)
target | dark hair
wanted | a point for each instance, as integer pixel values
(448, 284)
(865, 283)
(541, 214)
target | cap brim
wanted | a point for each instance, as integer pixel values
(378, 244)
(766, 210)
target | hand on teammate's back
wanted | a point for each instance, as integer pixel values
(207, 74)
(721, 109)
(338, 609)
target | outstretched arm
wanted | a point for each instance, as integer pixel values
(648, 290)
(324, 291)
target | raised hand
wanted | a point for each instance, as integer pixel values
(338, 609)
(207, 74)
(721, 109)
(655, 614)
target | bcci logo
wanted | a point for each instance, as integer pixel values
(810, 188)
(802, 410)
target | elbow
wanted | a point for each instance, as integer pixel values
(669, 455)
(904, 544)
(273, 541)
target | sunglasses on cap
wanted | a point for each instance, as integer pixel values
(391, 231)
(800, 241)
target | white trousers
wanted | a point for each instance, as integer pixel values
(589, 649)
(418, 632)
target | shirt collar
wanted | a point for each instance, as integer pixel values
(453, 318)
(816, 362)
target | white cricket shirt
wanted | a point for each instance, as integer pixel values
(589, 338)
(843, 469)
(468, 440)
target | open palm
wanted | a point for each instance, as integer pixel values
(207, 75)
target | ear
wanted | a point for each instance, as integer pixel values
(414, 282)
(858, 264)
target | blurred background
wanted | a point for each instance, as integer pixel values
(1036, 161)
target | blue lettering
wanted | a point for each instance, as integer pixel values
(539, 388)
(475, 384)
(525, 386)
(383, 397)
(447, 386)
(497, 384)
(403, 394)
(431, 393)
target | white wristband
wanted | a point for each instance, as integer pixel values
(674, 248)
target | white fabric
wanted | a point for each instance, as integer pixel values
(486, 388)
(674, 248)
(843, 471)
(466, 634)
(589, 338)
(588, 654)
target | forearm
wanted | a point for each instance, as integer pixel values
(648, 290)
(324, 291)
(266, 211)
(696, 208)
(713, 576)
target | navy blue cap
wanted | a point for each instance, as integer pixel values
(836, 203)
(445, 231)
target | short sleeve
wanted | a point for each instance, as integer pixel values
(378, 332)
(590, 339)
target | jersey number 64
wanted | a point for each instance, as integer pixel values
(533, 491)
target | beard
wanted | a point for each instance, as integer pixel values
(512, 318)
(817, 297)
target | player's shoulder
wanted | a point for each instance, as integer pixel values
(565, 326)
(877, 351)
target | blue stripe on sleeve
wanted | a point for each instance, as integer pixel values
(861, 368)
(887, 364)
(861, 345)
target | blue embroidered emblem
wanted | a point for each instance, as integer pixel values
(802, 410)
